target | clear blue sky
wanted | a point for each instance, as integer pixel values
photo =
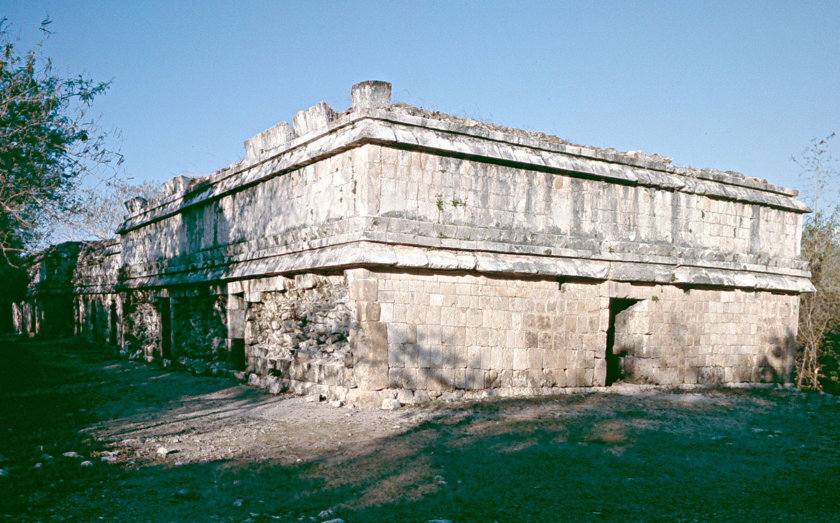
(727, 85)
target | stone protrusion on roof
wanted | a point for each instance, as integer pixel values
(269, 140)
(316, 118)
(177, 185)
(371, 94)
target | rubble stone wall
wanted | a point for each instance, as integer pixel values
(298, 333)
(142, 326)
(198, 326)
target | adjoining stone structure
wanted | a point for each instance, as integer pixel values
(388, 251)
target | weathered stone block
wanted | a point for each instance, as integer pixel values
(316, 118)
(371, 94)
(274, 138)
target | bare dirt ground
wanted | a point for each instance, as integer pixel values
(85, 436)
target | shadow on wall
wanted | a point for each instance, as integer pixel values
(776, 366)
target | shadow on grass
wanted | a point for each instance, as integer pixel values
(719, 455)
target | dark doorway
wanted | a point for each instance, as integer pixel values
(237, 354)
(94, 319)
(165, 329)
(114, 322)
(614, 354)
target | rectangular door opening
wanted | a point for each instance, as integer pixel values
(165, 329)
(616, 353)
(113, 321)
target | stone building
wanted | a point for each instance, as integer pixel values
(387, 251)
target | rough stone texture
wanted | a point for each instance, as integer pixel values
(97, 305)
(142, 326)
(301, 332)
(271, 140)
(316, 118)
(387, 252)
(371, 95)
(198, 327)
(48, 305)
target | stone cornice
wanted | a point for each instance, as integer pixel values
(378, 254)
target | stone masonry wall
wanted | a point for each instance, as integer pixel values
(97, 304)
(297, 335)
(700, 336)
(98, 317)
(198, 327)
(463, 331)
(449, 332)
(466, 204)
(276, 216)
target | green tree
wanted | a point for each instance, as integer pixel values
(48, 145)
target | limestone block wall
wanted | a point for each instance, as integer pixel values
(97, 304)
(464, 203)
(679, 336)
(474, 334)
(305, 208)
(98, 317)
(47, 307)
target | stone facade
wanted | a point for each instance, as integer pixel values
(391, 252)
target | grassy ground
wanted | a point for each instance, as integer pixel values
(241, 455)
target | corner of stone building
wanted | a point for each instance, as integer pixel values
(369, 336)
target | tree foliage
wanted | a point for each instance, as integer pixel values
(103, 207)
(818, 357)
(817, 166)
(819, 312)
(48, 144)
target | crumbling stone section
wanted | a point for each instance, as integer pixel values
(97, 303)
(299, 333)
(48, 305)
(143, 336)
(198, 327)
(390, 253)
